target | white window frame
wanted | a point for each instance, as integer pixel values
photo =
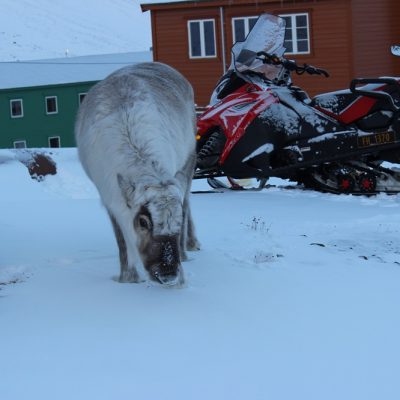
(54, 137)
(202, 39)
(80, 95)
(18, 142)
(45, 103)
(294, 32)
(246, 26)
(22, 108)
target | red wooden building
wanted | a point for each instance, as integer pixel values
(349, 38)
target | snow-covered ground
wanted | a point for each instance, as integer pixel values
(294, 295)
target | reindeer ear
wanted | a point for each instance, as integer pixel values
(127, 189)
(181, 179)
(185, 175)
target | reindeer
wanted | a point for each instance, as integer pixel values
(135, 133)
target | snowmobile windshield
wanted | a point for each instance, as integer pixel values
(268, 34)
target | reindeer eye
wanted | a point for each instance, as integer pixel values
(144, 222)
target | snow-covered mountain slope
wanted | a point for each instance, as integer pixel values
(37, 29)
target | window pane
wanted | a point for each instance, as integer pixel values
(288, 21)
(51, 105)
(195, 38)
(16, 108)
(209, 38)
(302, 45)
(289, 46)
(301, 20)
(239, 30)
(297, 33)
(252, 22)
(302, 33)
(54, 142)
(20, 144)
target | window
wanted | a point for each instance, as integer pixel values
(16, 108)
(202, 38)
(241, 27)
(81, 97)
(20, 144)
(54, 141)
(297, 35)
(51, 105)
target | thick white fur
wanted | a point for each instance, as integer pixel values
(139, 124)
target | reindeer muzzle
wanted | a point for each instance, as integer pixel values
(166, 265)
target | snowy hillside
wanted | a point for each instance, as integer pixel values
(38, 29)
(294, 295)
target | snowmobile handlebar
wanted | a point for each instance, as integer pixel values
(290, 65)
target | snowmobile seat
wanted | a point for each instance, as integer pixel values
(350, 105)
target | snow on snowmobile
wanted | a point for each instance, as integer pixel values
(260, 125)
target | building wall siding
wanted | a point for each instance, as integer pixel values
(375, 28)
(173, 48)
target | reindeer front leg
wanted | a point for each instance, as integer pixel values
(128, 272)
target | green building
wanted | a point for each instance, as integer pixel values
(41, 116)
(39, 99)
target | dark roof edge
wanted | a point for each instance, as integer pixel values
(203, 3)
(184, 3)
(51, 85)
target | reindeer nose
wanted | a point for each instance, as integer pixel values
(171, 279)
(165, 267)
(167, 274)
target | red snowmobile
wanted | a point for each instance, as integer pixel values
(260, 125)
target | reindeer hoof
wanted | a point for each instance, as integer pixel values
(193, 245)
(129, 277)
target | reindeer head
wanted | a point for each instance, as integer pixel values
(157, 215)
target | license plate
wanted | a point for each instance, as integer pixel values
(376, 139)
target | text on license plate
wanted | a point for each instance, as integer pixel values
(376, 139)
